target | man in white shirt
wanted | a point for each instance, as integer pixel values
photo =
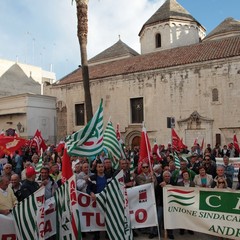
(7, 198)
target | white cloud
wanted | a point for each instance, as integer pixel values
(46, 31)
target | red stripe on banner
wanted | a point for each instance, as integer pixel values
(179, 191)
(74, 227)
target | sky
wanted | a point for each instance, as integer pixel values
(44, 33)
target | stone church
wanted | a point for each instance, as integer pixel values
(181, 73)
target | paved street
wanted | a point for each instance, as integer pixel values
(186, 236)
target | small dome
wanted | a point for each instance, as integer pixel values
(229, 27)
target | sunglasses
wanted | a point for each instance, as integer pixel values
(144, 166)
(221, 182)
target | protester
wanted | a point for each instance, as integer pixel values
(35, 160)
(177, 174)
(18, 163)
(83, 177)
(146, 176)
(221, 183)
(23, 173)
(220, 173)
(108, 169)
(16, 184)
(166, 180)
(29, 185)
(7, 171)
(203, 179)
(186, 182)
(127, 177)
(228, 170)
(7, 198)
(55, 172)
(210, 166)
(225, 151)
(96, 184)
(47, 181)
(194, 164)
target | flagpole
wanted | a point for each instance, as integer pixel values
(149, 160)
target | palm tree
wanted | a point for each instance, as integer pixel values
(82, 16)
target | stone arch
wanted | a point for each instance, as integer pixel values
(132, 137)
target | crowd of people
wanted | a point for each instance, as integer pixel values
(19, 177)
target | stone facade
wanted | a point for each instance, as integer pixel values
(32, 111)
(197, 84)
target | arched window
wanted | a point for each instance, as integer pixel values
(215, 95)
(158, 40)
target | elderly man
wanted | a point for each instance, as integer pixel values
(16, 184)
(221, 174)
(83, 176)
(7, 171)
(228, 170)
(7, 198)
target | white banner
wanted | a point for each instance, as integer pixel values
(141, 207)
(211, 211)
(235, 162)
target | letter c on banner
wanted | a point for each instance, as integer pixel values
(208, 199)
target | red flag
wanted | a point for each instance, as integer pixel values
(235, 143)
(156, 150)
(145, 150)
(202, 145)
(9, 144)
(66, 166)
(176, 141)
(38, 142)
(60, 146)
(195, 142)
(181, 145)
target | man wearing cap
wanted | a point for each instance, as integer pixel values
(29, 185)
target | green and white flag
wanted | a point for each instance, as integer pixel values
(112, 203)
(40, 162)
(29, 216)
(67, 215)
(176, 160)
(110, 141)
(88, 141)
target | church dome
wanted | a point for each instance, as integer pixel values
(169, 27)
(228, 28)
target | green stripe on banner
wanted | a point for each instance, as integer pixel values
(25, 216)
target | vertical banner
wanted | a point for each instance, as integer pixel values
(142, 206)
